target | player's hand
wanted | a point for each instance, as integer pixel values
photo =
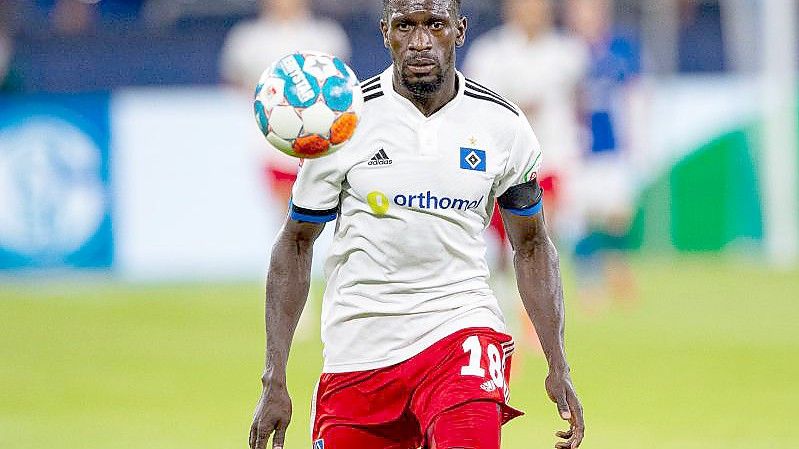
(561, 392)
(272, 415)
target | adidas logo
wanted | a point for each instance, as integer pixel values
(488, 386)
(380, 158)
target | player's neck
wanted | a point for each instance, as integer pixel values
(429, 104)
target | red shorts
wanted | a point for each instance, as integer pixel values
(396, 406)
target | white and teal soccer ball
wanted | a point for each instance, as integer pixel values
(308, 104)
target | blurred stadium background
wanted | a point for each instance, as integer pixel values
(135, 227)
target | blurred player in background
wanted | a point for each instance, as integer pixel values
(542, 71)
(282, 27)
(416, 352)
(606, 181)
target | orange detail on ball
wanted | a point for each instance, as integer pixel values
(311, 146)
(343, 128)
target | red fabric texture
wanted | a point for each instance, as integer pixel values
(396, 405)
(475, 425)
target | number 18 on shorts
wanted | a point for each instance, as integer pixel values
(469, 365)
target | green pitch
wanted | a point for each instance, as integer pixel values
(708, 359)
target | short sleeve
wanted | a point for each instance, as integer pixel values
(524, 162)
(315, 195)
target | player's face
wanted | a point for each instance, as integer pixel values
(421, 36)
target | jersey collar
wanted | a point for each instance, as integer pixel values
(387, 80)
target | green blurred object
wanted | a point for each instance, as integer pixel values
(715, 196)
(708, 201)
(705, 202)
(706, 359)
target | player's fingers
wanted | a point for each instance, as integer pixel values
(280, 436)
(576, 439)
(577, 431)
(564, 434)
(262, 435)
(563, 445)
(563, 406)
(576, 410)
(253, 434)
(260, 440)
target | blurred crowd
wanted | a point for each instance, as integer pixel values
(571, 65)
(109, 38)
(590, 49)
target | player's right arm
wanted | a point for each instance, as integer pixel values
(538, 271)
(315, 200)
(287, 285)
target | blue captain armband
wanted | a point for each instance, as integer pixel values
(525, 199)
(311, 216)
(535, 210)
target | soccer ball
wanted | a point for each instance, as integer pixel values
(308, 104)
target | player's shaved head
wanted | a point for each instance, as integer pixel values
(389, 6)
(421, 36)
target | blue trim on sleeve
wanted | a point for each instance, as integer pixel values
(529, 212)
(312, 219)
(322, 217)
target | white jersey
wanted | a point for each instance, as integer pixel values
(413, 195)
(543, 76)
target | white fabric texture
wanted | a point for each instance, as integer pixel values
(407, 265)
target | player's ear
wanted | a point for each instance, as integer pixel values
(461, 27)
(384, 30)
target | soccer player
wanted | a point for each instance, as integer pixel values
(611, 93)
(415, 349)
(282, 27)
(525, 42)
(548, 97)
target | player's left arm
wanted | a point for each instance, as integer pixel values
(538, 276)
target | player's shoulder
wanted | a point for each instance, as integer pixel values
(373, 90)
(489, 101)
